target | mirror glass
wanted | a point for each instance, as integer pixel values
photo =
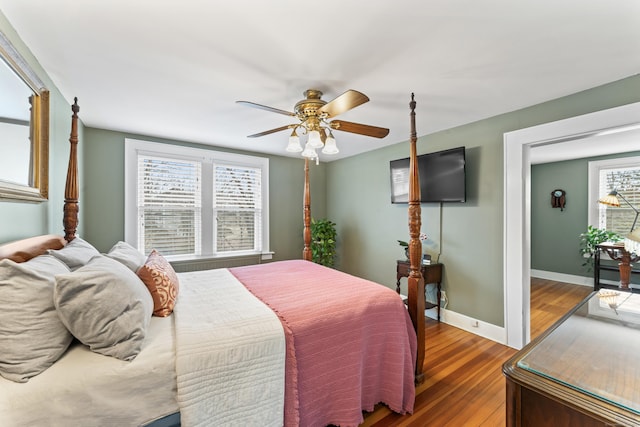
(24, 129)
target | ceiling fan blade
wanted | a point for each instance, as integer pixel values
(345, 102)
(267, 132)
(359, 128)
(264, 107)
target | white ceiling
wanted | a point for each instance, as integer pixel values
(174, 69)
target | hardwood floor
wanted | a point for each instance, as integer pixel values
(550, 300)
(464, 385)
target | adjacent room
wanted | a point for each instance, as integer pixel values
(395, 201)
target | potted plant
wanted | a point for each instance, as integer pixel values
(591, 239)
(323, 242)
(405, 245)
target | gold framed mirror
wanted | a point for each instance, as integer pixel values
(24, 129)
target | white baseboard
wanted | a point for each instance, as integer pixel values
(562, 277)
(569, 278)
(469, 324)
(498, 333)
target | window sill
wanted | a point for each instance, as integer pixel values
(239, 254)
(184, 263)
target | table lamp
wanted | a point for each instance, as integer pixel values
(631, 250)
(613, 199)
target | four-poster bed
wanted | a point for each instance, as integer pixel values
(364, 342)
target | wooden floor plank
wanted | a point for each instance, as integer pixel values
(464, 385)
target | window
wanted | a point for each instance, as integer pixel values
(237, 207)
(169, 205)
(622, 175)
(192, 202)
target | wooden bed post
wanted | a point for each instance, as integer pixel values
(306, 252)
(415, 284)
(70, 219)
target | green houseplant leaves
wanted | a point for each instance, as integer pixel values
(592, 238)
(323, 242)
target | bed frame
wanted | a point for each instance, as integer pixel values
(416, 302)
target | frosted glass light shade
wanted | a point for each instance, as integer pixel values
(314, 139)
(309, 151)
(330, 146)
(294, 144)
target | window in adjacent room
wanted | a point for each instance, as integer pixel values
(193, 202)
(623, 175)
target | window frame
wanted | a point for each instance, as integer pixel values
(594, 183)
(134, 147)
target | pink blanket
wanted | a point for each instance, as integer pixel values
(350, 342)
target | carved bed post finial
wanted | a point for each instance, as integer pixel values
(70, 219)
(415, 284)
(306, 252)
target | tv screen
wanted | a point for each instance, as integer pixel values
(442, 177)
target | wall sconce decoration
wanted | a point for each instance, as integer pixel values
(558, 199)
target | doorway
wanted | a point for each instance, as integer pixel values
(586, 130)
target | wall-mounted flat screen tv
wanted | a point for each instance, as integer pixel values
(442, 177)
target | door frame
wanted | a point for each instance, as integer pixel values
(517, 203)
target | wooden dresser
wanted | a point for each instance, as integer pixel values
(583, 371)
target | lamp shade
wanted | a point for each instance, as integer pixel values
(294, 144)
(309, 151)
(610, 199)
(314, 139)
(330, 146)
(632, 242)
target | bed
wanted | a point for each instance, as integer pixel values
(283, 343)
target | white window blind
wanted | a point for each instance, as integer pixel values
(237, 207)
(626, 181)
(169, 205)
(194, 203)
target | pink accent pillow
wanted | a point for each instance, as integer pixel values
(162, 282)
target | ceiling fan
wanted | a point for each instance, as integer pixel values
(314, 115)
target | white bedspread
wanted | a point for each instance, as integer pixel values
(230, 354)
(84, 388)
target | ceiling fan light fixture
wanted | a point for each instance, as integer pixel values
(309, 152)
(294, 143)
(330, 146)
(317, 118)
(314, 139)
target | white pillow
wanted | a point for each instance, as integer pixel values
(128, 255)
(76, 253)
(32, 337)
(105, 306)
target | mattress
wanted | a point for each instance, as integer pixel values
(89, 389)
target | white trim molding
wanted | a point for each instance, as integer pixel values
(517, 201)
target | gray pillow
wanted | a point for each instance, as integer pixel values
(105, 306)
(76, 253)
(32, 337)
(128, 255)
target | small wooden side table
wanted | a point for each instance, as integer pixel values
(616, 251)
(432, 273)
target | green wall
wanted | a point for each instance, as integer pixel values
(471, 233)
(20, 219)
(104, 199)
(555, 234)
(352, 192)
